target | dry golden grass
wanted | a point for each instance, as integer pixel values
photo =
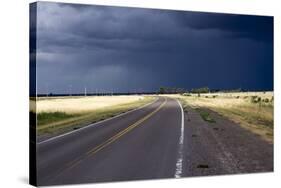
(74, 105)
(239, 107)
(263, 95)
(62, 114)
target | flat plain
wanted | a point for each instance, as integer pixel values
(165, 136)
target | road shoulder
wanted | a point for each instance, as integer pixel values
(223, 147)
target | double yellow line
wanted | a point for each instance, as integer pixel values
(115, 137)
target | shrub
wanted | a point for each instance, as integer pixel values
(255, 99)
(266, 100)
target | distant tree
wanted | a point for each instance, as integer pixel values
(161, 90)
(232, 90)
(171, 90)
(201, 90)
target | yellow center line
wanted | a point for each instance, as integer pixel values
(112, 139)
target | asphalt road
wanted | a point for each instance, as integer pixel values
(156, 141)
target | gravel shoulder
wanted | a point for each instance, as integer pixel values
(223, 147)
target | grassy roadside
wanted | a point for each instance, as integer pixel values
(205, 115)
(56, 122)
(253, 111)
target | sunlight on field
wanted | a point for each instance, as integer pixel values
(263, 95)
(61, 114)
(252, 110)
(74, 105)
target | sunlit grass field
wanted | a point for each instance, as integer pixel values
(82, 104)
(252, 110)
(61, 114)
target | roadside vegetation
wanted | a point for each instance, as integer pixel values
(55, 115)
(252, 110)
(205, 115)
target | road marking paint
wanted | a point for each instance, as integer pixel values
(179, 163)
(94, 124)
(75, 162)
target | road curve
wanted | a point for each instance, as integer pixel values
(156, 141)
(143, 144)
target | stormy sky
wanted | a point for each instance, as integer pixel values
(132, 49)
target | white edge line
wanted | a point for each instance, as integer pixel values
(179, 163)
(94, 124)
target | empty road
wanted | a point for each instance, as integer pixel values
(159, 140)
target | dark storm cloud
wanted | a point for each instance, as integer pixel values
(253, 27)
(128, 48)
